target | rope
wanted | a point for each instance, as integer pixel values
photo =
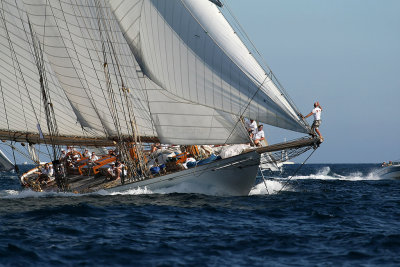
(288, 180)
(265, 183)
(269, 72)
(241, 115)
(8, 126)
(127, 110)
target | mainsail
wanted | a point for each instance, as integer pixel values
(175, 69)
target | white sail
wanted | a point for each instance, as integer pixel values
(21, 108)
(189, 76)
(72, 37)
(77, 41)
(179, 122)
(189, 49)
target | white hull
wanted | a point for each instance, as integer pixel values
(391, 172)
(233, 176)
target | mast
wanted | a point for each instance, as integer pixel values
(48, 105)
(130, 153)
(60, 174)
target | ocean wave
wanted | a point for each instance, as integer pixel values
(325, 173)
(270, 187)
(27, 193)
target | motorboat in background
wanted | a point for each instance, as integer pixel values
(389, 171)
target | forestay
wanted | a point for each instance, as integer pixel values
(188, 76)
(190, 50)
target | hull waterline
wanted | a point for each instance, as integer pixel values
(233, 176)
(228, 177)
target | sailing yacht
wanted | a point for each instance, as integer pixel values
(129, 73)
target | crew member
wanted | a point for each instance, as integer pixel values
(317, 120)
(259, 136)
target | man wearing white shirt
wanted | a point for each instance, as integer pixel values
(45, 173)
(251, 127)
(259, 136)
(317, 119)
(93, 157)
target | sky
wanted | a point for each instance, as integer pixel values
(344, 54)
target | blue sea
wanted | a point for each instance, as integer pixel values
(325, 215)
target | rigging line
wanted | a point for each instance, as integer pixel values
(273, 78)
(8, 126)
(241, 115)
(133, 125)
(97, 52)
(129, 98)
(246, 73)
(148, 104)
(15, 62)
(28, 38)
(81, 80)
(33, 52)
(5, 110)
(48, 105)
(87, 89)
(105, 68)
(288, 180)
(264, 180)
(127, 113)
(107, 43)
(24, 154)
(241, 29)
(119, 79)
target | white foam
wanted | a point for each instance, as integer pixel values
(29, 193)
(272, 187)
(325, 174)
(179, 188)
(137, 191)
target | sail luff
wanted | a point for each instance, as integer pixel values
(263, 82)
(210, 65)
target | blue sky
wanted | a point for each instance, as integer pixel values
(343, 53)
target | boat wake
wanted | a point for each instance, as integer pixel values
(33, 194)
(326, 173)
(182, 188)
(270, 187)
(273, 187)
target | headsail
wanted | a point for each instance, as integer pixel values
(185, 122)
(190, 50)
